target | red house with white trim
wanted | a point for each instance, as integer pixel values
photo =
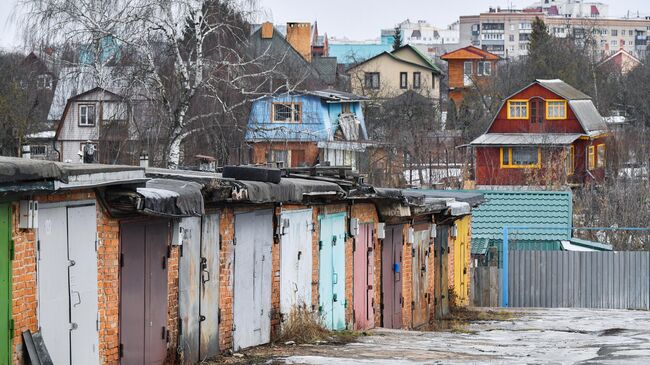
(546, 134)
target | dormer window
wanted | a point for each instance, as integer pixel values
(287, 112)
(86, 115)
(536, 110)
(517, 109)
(555, 109)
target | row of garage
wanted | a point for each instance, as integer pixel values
(112, 264)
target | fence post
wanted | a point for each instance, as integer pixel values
(504, 279)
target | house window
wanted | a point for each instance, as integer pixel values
(38, 150)
(403, 80)
(517, 109)
(287, 112)
(555, 109)
(536, 111)
(417, 80)
(279, 156)
(614, 32)
(467, 72)
(371, 80)
(44, 82)
(86, 115)
(88, 152)
(520, 157)
(600, 156)
(592, 158)
(484, 68)
(570, 161)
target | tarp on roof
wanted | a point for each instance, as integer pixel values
(524, 139)
(289, 190)
(13, 170)
(563, 89)
(172, 198)
(588, 116)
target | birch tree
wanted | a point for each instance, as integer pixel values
(187, 56)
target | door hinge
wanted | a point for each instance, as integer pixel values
(412, 252)
(220, 240)
(234, 241)
(12, 250)
(96, 241)
(412, 305)
(234, 327)
(320, 245)
(121, 260)
(163, 332)
(11, 326)
(169, 251)
(164, 263)
(38, 245)
(219, 316)
(121, 351)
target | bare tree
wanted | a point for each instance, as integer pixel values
(187, 56)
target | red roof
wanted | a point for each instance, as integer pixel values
(470, 53)
(553, 10)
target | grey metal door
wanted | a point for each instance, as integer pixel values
(252, 278)
(391, 281)
(143, 291)
(53, 290)
(82, 252)
(295, 260)
(209, 303)
(67, 283)
(189, 288)
(441, 284)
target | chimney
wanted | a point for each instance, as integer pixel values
(299, 37)
(267, 30)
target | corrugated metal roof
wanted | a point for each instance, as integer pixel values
(523, 139)
(588, 116)
(564, 90)
(590, 245)
(523, 209)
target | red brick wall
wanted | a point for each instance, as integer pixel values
(227, 228)
(172, 303)
(407, 279)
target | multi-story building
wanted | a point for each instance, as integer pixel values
(506, 32)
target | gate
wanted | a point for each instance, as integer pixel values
(295, 260)
(332, 270)
(420, 271)
(6, 334)
(363, 297)
(67, 276)
(561, 279)
(441, 282)
(391, 277)
(252, 278)
(199, 288)
(143, 291)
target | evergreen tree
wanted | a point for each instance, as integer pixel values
(397, 41)
(452, 116)
(540, 36)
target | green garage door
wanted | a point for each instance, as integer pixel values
(5, 283)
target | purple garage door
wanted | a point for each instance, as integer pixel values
(391, 281)
(143, 291)
(364, 315)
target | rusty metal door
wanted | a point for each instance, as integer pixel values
(67, 277)
(363, 297)
(252, 278)
(209, 303)
(143, 291)
(441, 284)
(189, 288)
(199, 287)
(295, 260)
(391, 281)
(420, 272)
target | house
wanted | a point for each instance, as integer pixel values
(622, 62)
(308, 128)
(546, 134)
(468, 67)
(97, 118)
(390, 74)
(319, 43)
(288, 50)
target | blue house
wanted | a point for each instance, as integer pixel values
(308, 128)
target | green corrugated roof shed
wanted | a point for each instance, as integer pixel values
(522, 209)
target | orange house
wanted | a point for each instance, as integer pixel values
(468, 67)
(546, 134)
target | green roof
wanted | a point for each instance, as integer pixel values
(524, 209)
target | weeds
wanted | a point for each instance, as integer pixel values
(304, 326)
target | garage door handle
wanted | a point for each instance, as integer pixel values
(205, 276)
(78, 298)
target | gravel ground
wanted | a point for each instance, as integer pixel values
(535, 336)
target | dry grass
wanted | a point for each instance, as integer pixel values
(304, 327)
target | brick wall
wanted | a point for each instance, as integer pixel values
(172, 302)
(407, 279)
(227, 228)
(108, 283)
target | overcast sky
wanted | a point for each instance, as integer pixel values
(356, 19)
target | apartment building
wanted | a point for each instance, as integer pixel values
(506, 32)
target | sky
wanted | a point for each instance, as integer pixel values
(355, 19)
